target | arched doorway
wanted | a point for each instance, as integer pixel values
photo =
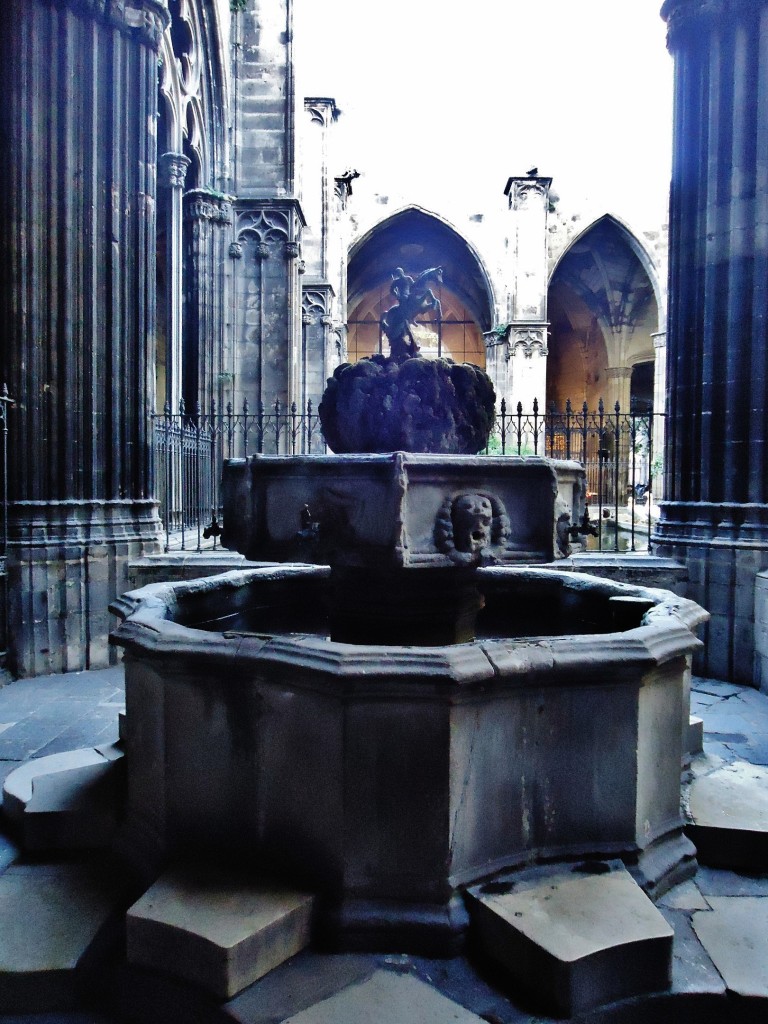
(416, 240)
(604, 308)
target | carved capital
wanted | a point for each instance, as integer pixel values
(201, 204)
(618, 372)
(172, 170)
(292, 250)
(523, 192)
(322, 110)
(262, 251)
(659, 339)
(236, 251)
(306, 319)
(687, 19)
(147, 20)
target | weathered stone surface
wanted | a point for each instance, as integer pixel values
(70, 800)
(51, 916)
(386, 998)
(735, 935)
(220, 929)
(728, 816)
(420, 405)
(574, 939)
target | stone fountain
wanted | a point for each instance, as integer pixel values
(403, 703)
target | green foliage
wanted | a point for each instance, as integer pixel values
(237, 5)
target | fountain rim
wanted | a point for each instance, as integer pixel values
(666, 631)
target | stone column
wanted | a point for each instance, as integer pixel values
(659, 407)
(619, 381)
(172, 170)
(317, 357)
(267, 303)
(208, 220)
(527, 335)
(268, 218)
(77, 255)
(715, 513)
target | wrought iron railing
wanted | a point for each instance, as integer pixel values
(617, 449)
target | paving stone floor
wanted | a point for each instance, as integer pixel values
(57, 713)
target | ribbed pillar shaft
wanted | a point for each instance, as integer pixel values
(77, 250)
(207, 232)
(716, 468)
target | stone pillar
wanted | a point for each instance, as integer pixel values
(318, 350)
(659, 407)
(619, 381)
(77, 255)
(172, 170)
(267, 302)
(715, 513)
(527, 335)
(268, 218)
(324, 264)
(207, 357)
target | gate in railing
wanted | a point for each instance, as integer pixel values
(617, 449)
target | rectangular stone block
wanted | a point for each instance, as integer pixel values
(574, 939)
(220, 930)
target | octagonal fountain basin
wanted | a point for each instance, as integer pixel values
(386, 778)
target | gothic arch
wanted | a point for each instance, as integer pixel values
(605, 304)
(416, 239)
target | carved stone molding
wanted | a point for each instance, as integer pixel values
(201, 204)
(322, 110)
(521, 191)
(147, 20)
(528, 340)
(686, 18)
(659, 339)
(172, 170)
(315, 305)
(618, 372)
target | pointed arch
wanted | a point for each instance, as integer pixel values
(416, 239)
(605, 304)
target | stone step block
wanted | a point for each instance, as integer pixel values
(727, 816)
(573, 938)
(219, 928)
(72, 800)
(54, 919)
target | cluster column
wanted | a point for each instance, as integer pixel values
(77, 257)
(715, 515)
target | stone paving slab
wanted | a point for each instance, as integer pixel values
(727, 814)
(386, 998)
(735, 935)
(51, 916)
(692, 967)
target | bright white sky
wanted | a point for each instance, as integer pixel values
(450, 98)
